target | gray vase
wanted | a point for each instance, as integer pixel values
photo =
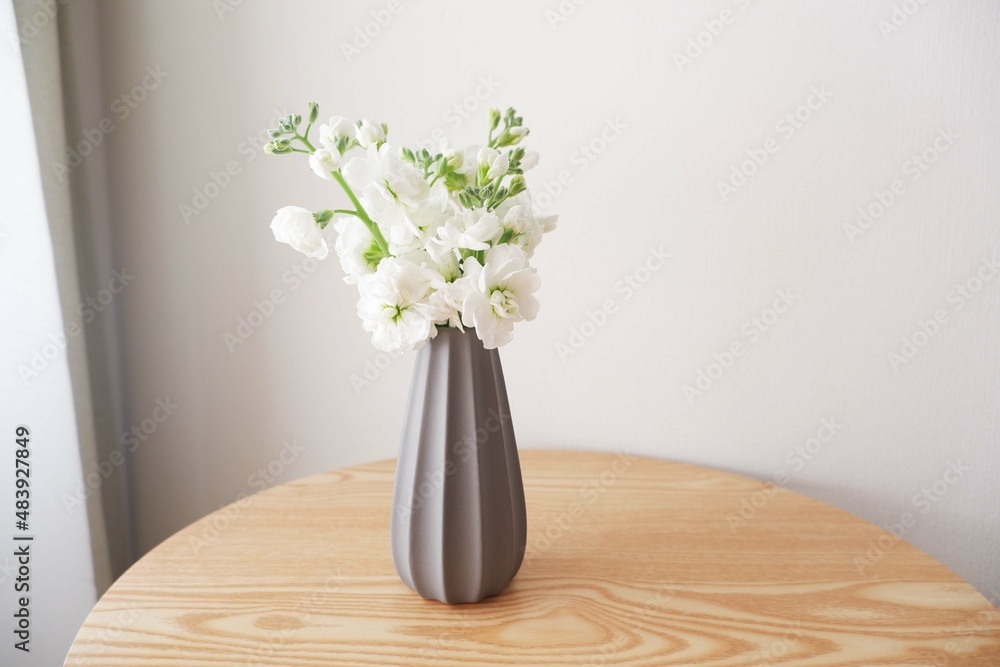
(458, 521)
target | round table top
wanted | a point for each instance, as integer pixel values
(630, 560)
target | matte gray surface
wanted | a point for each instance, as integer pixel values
(458, 521)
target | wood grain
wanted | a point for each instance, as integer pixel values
(630, 561)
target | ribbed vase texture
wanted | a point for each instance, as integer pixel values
(458, 520)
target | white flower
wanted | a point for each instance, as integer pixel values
(396, 196)
(324, 162)
(494, 161)
(466, 230)
(524, 229)
(464, 162)
(456, 160)
(444, 302)
(399, 230)
(369, 133)
(355, 246)
(407, 229)
(433, 211)
(435, 273)
(392, 304)
(529, 161)
(498, 293)
(297, 227)
(384, 173)
(444, 306)
(332, 132)
(548, 223)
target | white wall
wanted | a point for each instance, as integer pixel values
(655, 184)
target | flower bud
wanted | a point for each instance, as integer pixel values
(455, 159)
(323, 217)
(313, 112)
(517, 186)
(273, 148)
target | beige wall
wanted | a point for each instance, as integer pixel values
(667, 134)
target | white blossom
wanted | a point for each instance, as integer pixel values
(355, 245)
(524, 229)
(392, 303)
(498, 293)
(466, 230)
(444, 306)
(529, 161)
(384, 173)
(466, 161)
(496, 162)
(324, 162)
(297, 227)
(521, 225)
(332, 132)
(369, 133)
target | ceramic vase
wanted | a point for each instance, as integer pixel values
(458, 521)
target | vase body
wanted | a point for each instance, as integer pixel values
(458, 519)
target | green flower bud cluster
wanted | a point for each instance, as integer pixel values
(513, 128)
(487, 196)
(490, 195)
(438, 167)
(424, 161)
(286, 135)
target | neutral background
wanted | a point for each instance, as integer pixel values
(634, 145)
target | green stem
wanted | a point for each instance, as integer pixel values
(305, 142)
(363, 215)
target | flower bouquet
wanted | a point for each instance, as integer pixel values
(431, 240)
(438, 245)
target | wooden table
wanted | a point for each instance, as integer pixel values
(630, 561)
